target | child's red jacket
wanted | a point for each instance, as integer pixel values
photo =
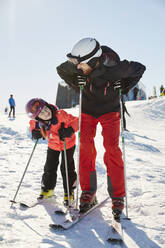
(54, 141)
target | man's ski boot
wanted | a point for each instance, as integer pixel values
(46, 194)
(87, 201)
(66, 202)
(117, 207)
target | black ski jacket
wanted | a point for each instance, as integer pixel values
(99, 96)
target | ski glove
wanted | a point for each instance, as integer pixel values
(36, 134)
(81, 80)
(65, 132)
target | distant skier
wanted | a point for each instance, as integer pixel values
(164, 92)
(12, 106)
(55, 125)
(102, 73)
(161, 90)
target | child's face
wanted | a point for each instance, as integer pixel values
(45, 114)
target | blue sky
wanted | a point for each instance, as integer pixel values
(36, 35)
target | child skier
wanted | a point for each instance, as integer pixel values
(55, 125)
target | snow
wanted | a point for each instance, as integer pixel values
(145, 160)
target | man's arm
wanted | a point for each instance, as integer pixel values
(69, 72)
(132, 75)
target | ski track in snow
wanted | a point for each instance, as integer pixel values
(145, 160)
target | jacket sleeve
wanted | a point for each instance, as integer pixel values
(132, 73)
(69, 72)
(34, 125)
(69, 120)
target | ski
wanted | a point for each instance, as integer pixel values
(115, 232)
(26, 205)
(35, 203)
(74, 216)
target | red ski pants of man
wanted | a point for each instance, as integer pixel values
(112, 157)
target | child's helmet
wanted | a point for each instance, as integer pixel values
(34, 107)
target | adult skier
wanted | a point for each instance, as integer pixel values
(12, 106)
(102, 72)
(55, 125)
(162, 90)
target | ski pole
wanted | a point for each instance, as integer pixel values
(123, 148)
(13, 201)
(78, 156)
(66, 172)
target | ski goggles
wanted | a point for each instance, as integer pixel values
(92, 62)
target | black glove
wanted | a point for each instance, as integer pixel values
(81, 80)
(65, 132)
(117, 85)
(36, 134)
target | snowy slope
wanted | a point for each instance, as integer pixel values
(145, 160)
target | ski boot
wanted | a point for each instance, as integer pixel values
(46, 194)
(87, 201)
(66, 202)
(117, 207)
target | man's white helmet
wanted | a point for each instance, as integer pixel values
(85, 49)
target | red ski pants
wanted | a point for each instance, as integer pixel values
(112, 157)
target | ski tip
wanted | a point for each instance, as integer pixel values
(23, 205)
(13, 201)
(56, 226)
(59, 212)
(114, 240)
